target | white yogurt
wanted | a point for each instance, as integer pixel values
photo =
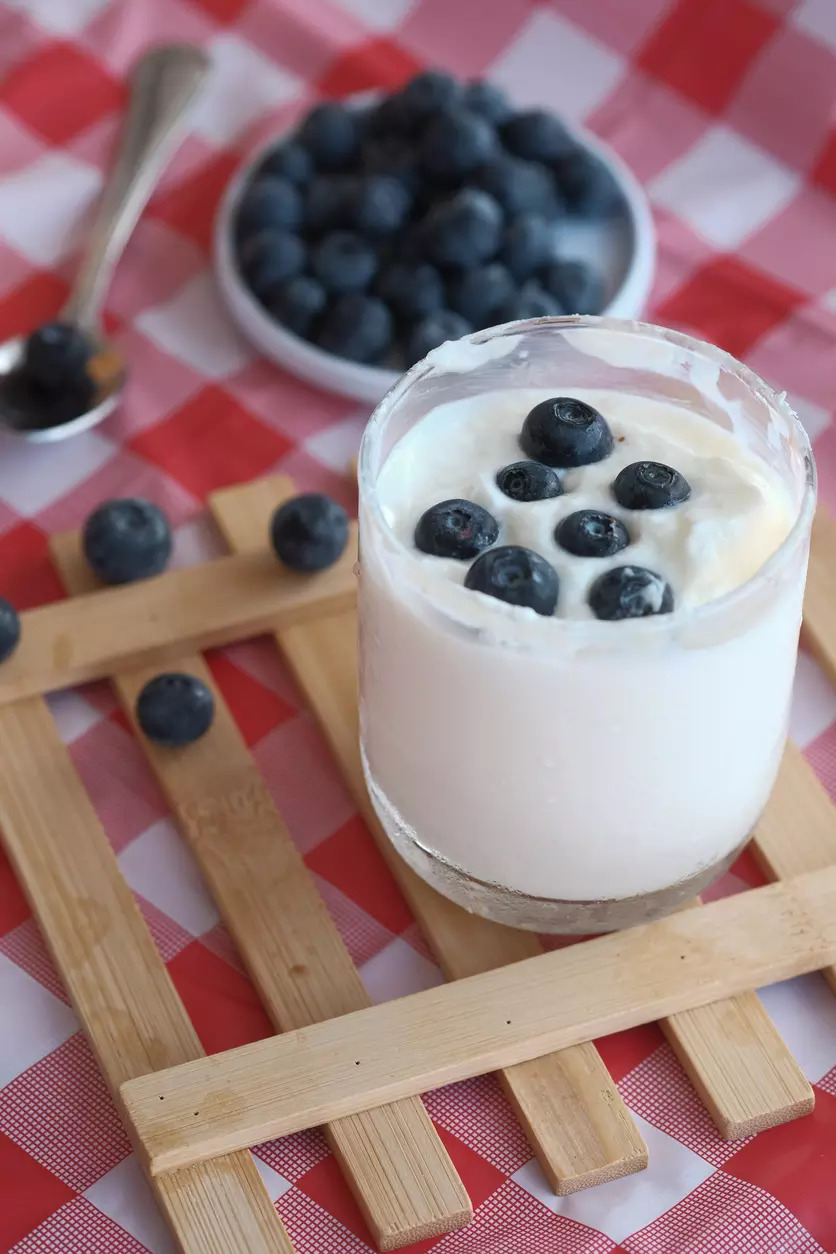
(563, 757)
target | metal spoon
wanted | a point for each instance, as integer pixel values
(164, 84)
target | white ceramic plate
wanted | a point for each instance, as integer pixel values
(623, 249)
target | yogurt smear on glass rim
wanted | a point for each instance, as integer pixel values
(583, 550)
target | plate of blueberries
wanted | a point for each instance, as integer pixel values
(385, 225)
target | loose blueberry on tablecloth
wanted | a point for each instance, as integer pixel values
(125, 540)
(175, 709)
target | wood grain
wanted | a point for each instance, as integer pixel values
(820, 596)
(130, 1011)
(485, 1022)
(571, 1111)
(739, 1065)
(392, 1157)
(155, 620)
(797, 832)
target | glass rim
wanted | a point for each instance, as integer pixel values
(661, 623)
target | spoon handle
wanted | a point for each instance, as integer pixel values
(163, 85)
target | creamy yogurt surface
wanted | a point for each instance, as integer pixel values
(738, 514)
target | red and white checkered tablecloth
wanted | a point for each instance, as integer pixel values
(725, 109)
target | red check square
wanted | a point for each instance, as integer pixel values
(26, 574)
(730, 304)
(255, 708)
(190, 206)
(378, 63)
(212, 441)
(221, 1003)
(351, 860)
(61, 73)
(30, 1193)
(725, 35)
(795, 1164)
(14, 908)
(824, 171)
(33, 302)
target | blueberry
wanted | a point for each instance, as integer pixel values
(520, 186)
(630, 592)
(430, 92)
(309, 532)
(527, 244)
(331, 134)
(537, 135)
(411, 290)
(390, 118)
(515, 575)
(487, 100)
(55, 354)
(175, 709)
(455, 144)
(298, 304)
(9, 629)
(650, 485)
(462, 231)
(271, 257)
(457, 529)
(270, 202)
(326, 203)
(591, 533)
(289, 161)
(31, 406)
(356, 326)
(529, 481)
(578, 288)
(389, 155)
(344, 262)
(479, 294)
(563, 431)
(435, 329)
(588, 187)
(125, 540)
(531, 301)
(377, 205)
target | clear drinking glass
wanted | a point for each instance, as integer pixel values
(565, 775)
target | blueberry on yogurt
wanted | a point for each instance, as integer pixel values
(529, 481)
(458, 529)
(650, 485)
(563, 431)
(630, 592)
(592, 533)
(517, 576)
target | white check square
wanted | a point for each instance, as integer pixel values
(159, 866)
(622, 1207)
(34, 1023)
(43, 204)
(553, 64)
(194, 328)
(725, 187)
(243, 86)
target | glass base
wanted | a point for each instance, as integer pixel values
(536, 914)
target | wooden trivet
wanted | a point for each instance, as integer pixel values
(357, 1069)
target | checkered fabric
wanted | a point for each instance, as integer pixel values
(725, 110)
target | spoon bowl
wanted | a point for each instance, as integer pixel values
(163, 85)
(24, 413)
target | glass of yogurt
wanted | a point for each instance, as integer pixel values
(583, 546)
